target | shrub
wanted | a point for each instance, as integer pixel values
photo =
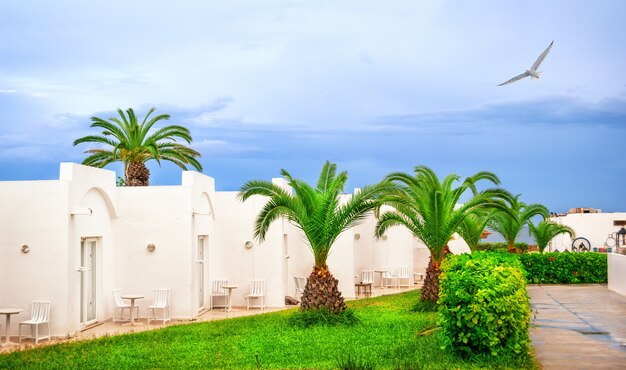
(565, 268)
(484, 306)
(501, 246)
(322, 316)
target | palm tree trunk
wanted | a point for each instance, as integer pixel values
(137, 174)
(430, 289)
(512, 248)
(322, 290)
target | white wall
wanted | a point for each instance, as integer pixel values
(617, 271)
(595, 227)
(235, 226)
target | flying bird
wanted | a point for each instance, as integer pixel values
(532, 72)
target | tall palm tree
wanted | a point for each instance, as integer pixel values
(545, 231)
(322, 215)
(509, 224)
(134, 144)
(473, 227)
(429, 209)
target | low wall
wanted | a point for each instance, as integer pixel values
(617, 271)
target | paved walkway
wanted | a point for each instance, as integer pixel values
(578, 326)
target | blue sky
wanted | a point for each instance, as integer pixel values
(374, 86)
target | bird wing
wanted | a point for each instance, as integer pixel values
(516, 78)
(541, 57)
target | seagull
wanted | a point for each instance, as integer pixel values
(532, 72)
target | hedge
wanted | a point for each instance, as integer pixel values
(565, 268)
(484, 307)
(501, 246)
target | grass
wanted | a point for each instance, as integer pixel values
(386, 336)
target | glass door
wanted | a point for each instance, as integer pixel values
(87, 271)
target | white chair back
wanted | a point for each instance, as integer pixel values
(161, 298)
(40, 311)
(367, 276)
(117, 298)
(403, 272)
(257, 287)
(300, 284)
(218, 286)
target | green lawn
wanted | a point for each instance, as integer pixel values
(385, 338)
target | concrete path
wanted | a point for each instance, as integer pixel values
(578, 326)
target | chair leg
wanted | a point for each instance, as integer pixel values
(36, 333)
(20, 333)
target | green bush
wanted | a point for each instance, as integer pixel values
(502, 246)
(324, 317)
(564, 268)
(484, 306)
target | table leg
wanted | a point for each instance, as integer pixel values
(7, 322)
(229, 306)
(132, 310)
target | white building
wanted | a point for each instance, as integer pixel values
(597, 227)
(72, 241)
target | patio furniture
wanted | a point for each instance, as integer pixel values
(160, 301)
(418, 276)
(300, 284)
(229, 290)
(257, 292)
(381, 272)
(119, 304)
(367, 289)
(403, 274)
(7, 312)
(387, 279)
(132, 298)
(39, 315)
(367, 276)
(218, 291)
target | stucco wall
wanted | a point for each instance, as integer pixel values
(595, 227)
(234, 226)
(617, 271)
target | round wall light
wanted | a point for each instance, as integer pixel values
(25, 249)
(248, 244)
(357, 236)
(151, 247)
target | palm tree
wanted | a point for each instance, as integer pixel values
(134, 144)
(473, 227)
(509, 224)
(322, 215)
(429, 210)
(545, 231)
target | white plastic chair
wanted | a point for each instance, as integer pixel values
(160, 301)
(119, 304)
(219, 291)
(300, 284)
(367, 277)
(387, 279)
(403, 274)
(257, 291)
(40, 314)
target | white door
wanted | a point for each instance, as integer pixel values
(88, 281)
(286, 265)
(201, 266)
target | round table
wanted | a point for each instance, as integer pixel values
(230, 290)
(8, 312)
(132, 298)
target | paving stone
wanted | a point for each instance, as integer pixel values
(578, 327)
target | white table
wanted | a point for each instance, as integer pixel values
(229, 288)
(381, 272)
(132, 298)
(7, 312)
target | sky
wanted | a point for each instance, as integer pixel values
(373, 86)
